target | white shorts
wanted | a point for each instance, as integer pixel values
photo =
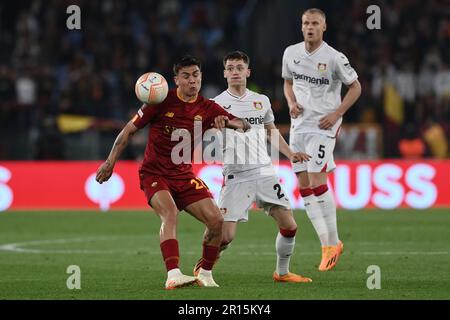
(237, 198)
(319, 146)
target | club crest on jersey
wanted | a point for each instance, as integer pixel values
(198, 118)
(169, 114)
(258, 105)
(223, 211)
(322, 66)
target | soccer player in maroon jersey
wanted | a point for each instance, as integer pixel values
(171, 187)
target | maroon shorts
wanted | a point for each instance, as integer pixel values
(184, 191)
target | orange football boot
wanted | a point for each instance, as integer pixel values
(330, 256)
(290, 277)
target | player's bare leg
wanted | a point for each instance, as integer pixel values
(207, 212)
(285, 243)
(164, 206)
(333, 247)
(228, 233)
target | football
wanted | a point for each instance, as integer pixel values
(151, 88)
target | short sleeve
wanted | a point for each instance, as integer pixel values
(344, 71)
(269, 117)
(144, 116)
(285, 71)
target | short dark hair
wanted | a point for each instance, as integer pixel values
(315, 10)
(236, 55)
(186, 61)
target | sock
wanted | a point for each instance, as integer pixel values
(284, 245)
(327, 206)
(173, 273)
(209, 256)
(170, 253)
(314, 213)
(204, 272)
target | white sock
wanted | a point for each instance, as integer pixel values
(173, 273)
(285, 248)
(328, 208)
(314, 212)
(207, 273)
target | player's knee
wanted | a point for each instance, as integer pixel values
(303, 181)
(215, 223)
(226, 240)
(168, 216)
(288, 224)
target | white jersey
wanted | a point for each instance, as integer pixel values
(317, 81)
(245, 153)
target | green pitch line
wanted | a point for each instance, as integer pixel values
(119, 257)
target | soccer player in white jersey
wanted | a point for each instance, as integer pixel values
(250, 177)
(313, 74)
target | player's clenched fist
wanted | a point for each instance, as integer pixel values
(220, 122)
(104, 172)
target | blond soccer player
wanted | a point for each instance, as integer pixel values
(313, 74)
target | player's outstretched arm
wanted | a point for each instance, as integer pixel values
(295, 109)
(104, 172)
(353, 93)
(274, 135)
(222, 121)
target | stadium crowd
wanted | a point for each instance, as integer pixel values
(47, 71)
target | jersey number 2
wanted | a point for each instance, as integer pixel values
(277, 188)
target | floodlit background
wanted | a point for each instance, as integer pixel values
(66, 94)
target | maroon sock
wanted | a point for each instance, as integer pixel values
(306, 192)
(318, 191)
(170, 253)
(288, 233)
(209, 256)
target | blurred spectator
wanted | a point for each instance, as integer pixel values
(411, 146)
(437, 140)
(47, 71)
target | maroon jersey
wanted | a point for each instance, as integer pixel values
(166, 117)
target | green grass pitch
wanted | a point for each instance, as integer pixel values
(119, 257)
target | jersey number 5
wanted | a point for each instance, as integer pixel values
(321, 151)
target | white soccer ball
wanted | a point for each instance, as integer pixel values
(151, 88)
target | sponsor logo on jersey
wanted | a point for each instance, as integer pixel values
(312, 80)
(198, 118)
(296, 62)
(169, 114)
(258, 105)
(154, 184)
(255, 120)
(322, 66)
(140, 113)
(225, 107)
